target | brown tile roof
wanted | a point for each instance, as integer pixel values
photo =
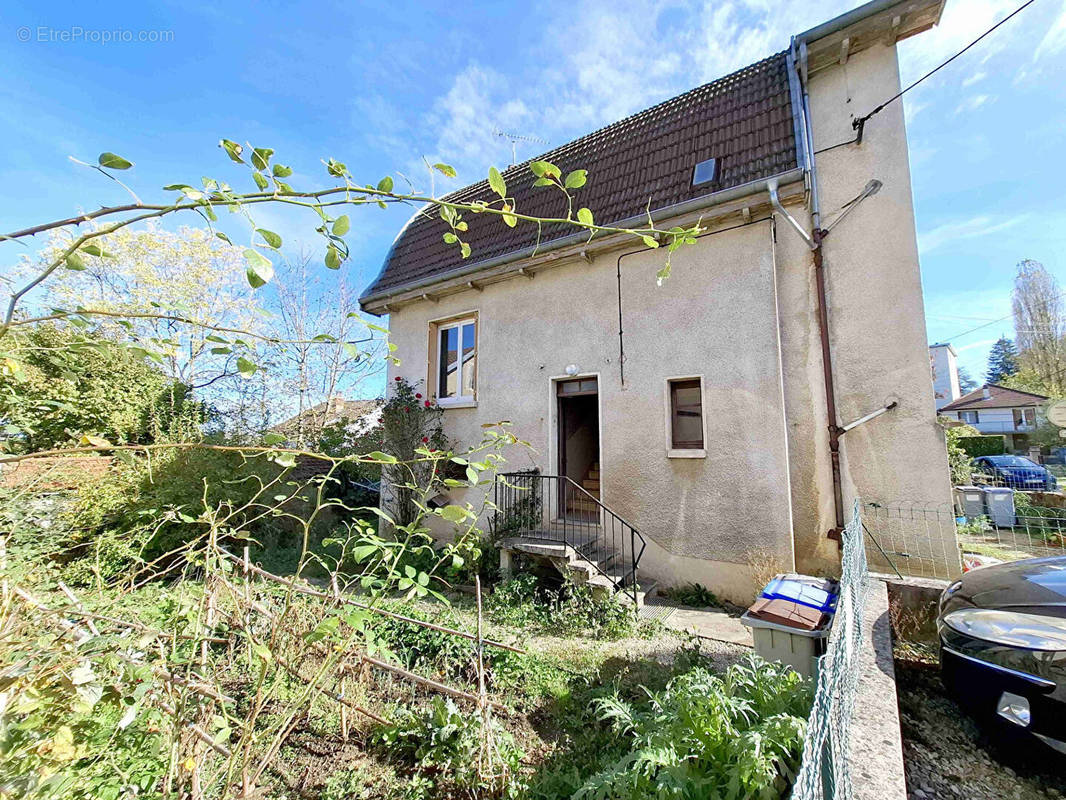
(1001, 397)
(743, 120)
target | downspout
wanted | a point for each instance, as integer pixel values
(816, 245)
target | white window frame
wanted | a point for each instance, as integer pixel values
(976, 417)
(440, 327)
(671, 451)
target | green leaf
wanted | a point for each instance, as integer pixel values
(246, 368)
(260, 180)
(509, 219)
(93, 250)
(271, 439)
(233, 150)
(464, 248)
(111, 161)
(333, 257)
(269, 237)
(577, 178)
(260, 270)
(222, 350)
(454, 514)
(497, 182)
(445, 169)
(261, 157)
(223, 237)
(341, 225)
(545, 169)
(261, 651)
(584, 216)
(649, 241)
(75, 263)
(450, 238)
(381, 458)
(285, 460)
(281, 171)
(385, 184)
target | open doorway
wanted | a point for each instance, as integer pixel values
(579, 438)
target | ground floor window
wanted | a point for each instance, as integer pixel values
(685, 418)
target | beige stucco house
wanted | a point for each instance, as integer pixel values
(711, 413)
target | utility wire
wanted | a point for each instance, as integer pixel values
(860, 122)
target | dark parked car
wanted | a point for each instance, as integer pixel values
(1015, 472)
(1003, 646)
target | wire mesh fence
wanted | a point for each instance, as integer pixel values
(825, 772)
(986, 525)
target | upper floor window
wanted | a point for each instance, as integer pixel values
(970, 417)
(456, 361)
(1024, 417)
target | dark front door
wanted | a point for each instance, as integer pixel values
(579, 432)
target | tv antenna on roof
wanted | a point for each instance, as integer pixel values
(513, 138)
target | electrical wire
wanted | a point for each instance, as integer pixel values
(859, 123)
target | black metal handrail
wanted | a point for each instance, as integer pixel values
(554, 508)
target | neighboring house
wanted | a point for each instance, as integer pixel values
(945, 366)
(997, 410)
(703, 412)
(358, 417)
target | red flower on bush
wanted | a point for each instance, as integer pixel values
(399, 378)
(425, 439)
(418, 396)
(406, 410)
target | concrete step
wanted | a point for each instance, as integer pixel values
(592, 485)
(581, 504)
(593, 474)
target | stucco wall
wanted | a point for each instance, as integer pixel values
(715, 318)
(876, 312)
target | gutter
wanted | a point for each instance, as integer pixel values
(677, 209)
(815, 242)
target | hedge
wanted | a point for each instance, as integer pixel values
(982, 445)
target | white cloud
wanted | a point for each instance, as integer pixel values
(973, 103)
(1054, 40)
(965, 229)
(976, 77)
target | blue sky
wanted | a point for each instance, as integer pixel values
(378, 86)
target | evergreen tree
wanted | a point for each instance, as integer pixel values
(1002, 360)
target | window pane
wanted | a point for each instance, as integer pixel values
(448, 358)
(469, 359)
(686, 404)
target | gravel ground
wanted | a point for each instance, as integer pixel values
(948, 756)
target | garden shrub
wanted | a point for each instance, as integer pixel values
(464, 755)
(975, 446)
(735, 736)
(694, 594)
(527, 602)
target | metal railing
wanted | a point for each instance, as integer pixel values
(825, 772)
(555, 509)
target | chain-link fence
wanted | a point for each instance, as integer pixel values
(825, 772)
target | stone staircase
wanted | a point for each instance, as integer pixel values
(570, 528)
(579, 506)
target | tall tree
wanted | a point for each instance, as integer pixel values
(966, 380)
(1040, 324)
(1002, 361)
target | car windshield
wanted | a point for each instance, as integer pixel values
(1011, 461)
